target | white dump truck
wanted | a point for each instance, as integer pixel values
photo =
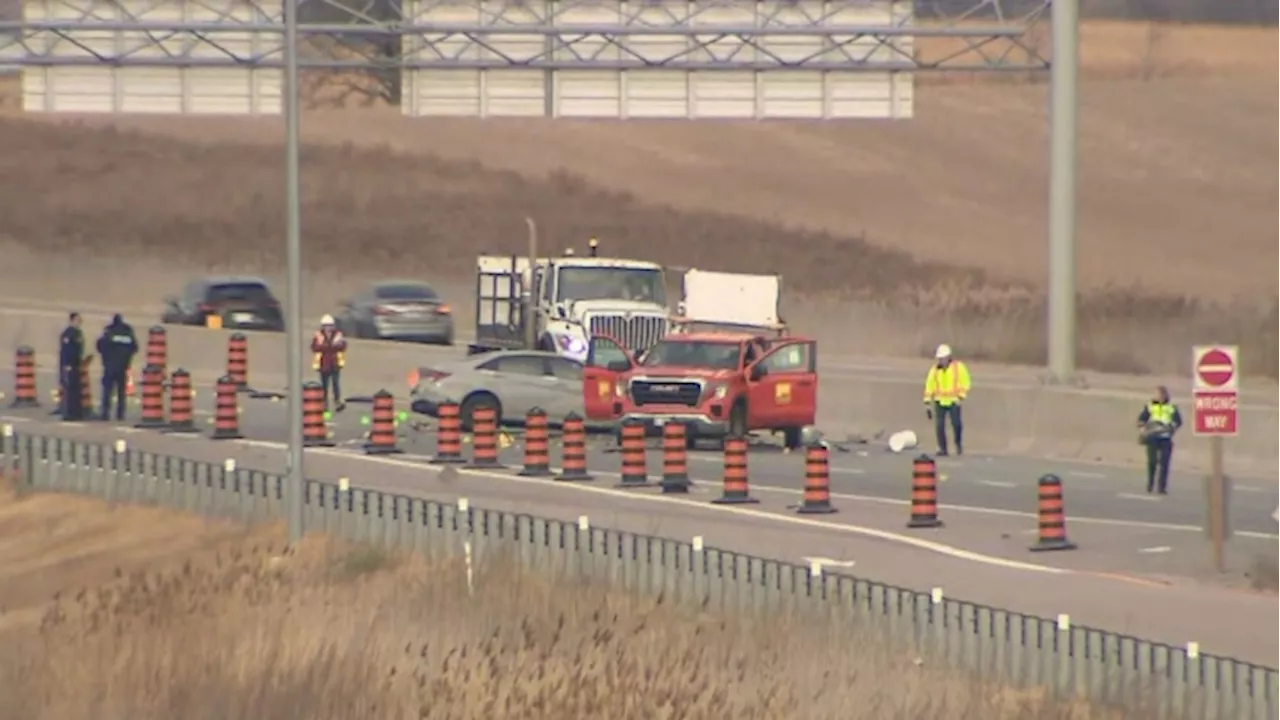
(572, 298)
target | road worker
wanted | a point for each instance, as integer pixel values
(70, 358)
(116, 347)
(329, 355)
(1158, 422)
(945, 388)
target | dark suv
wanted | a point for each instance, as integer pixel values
(242, 303)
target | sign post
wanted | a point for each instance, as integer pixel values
(1215, 393)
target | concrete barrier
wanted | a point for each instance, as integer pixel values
(1011, 412)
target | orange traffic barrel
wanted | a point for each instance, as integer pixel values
(181, 405)
(158, 349)
(86, 388)
(448, 435)
(382, 426)
(736, 490)
(573, 462)
(24, 378)
(635, 473)
(924, 493)
(238, 360)
(484, 437)
(817, 481)
(226, 410)
(1053, 517)
(152, 398)
(675, 460)
(315, 433)
(537, 444)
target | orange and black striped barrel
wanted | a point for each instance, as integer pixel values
(152, 397)
(86, 388)
(158, 349)
(449, 435)
(675, 459)
(484, 437)
(382, 426)
(817, 481)
(226, 410)
(537, 448)
(1053, 516)
(24, 378)
(736, 485)
(238, 360)
(573, 463)
(635, 472)
(315, 433)
(181, 402)
(924, 493)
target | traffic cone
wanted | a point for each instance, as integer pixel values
(128, 382)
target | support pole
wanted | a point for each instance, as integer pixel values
(529, 301)
(1065, 19)
(1217, 504)
(296, 481)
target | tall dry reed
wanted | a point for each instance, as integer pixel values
(349, 634)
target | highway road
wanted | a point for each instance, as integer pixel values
(1142, 566)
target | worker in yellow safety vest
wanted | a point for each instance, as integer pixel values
(945, 388)
(1158, 422)
(329, 356)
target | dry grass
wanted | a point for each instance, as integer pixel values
(878, 228)
(348, 633)
(375, 211)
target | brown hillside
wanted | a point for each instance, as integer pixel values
(869, 222)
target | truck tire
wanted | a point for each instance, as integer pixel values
(738, 419)
(791, 438)
(475, 400)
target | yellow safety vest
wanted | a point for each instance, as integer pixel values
(947, 386)
(1160, 412)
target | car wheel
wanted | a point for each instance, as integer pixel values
(478, 400)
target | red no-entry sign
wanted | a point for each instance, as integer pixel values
(1215, 389)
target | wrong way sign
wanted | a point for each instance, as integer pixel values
(1215, 389)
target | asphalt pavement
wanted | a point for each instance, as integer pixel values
(982, 557)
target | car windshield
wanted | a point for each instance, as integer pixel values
(611, 283)
(247, 291)
(710, 355)
(406, 292)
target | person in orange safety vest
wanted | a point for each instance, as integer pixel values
(945, 388)
(329, 351)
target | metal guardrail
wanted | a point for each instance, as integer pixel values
(1000, 646)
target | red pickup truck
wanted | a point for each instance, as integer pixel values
(716, 383)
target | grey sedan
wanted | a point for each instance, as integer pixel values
(398, 310)
(511, 381)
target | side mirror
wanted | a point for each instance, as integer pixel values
(758, 371)
(618, 366)
(560, 312)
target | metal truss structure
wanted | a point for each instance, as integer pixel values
(384, 35)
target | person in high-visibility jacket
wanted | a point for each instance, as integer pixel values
(329, 355)
(1158, 423)
(945, 388)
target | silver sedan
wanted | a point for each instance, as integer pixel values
(510, 381)
(406, 310)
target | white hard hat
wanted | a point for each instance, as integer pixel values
(326, 320)
(902, 440)
(944, 351)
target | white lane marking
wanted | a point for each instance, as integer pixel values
(744, 512)
(1252, 489)
(833, 469)
(1083, 474)
(997, 483)
(1134, 496)
(1156, 550)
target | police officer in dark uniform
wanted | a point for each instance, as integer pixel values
(1158, 423)
(116, 347)
(70, 356)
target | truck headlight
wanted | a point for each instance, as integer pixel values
(719, 392)
(619, 390)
